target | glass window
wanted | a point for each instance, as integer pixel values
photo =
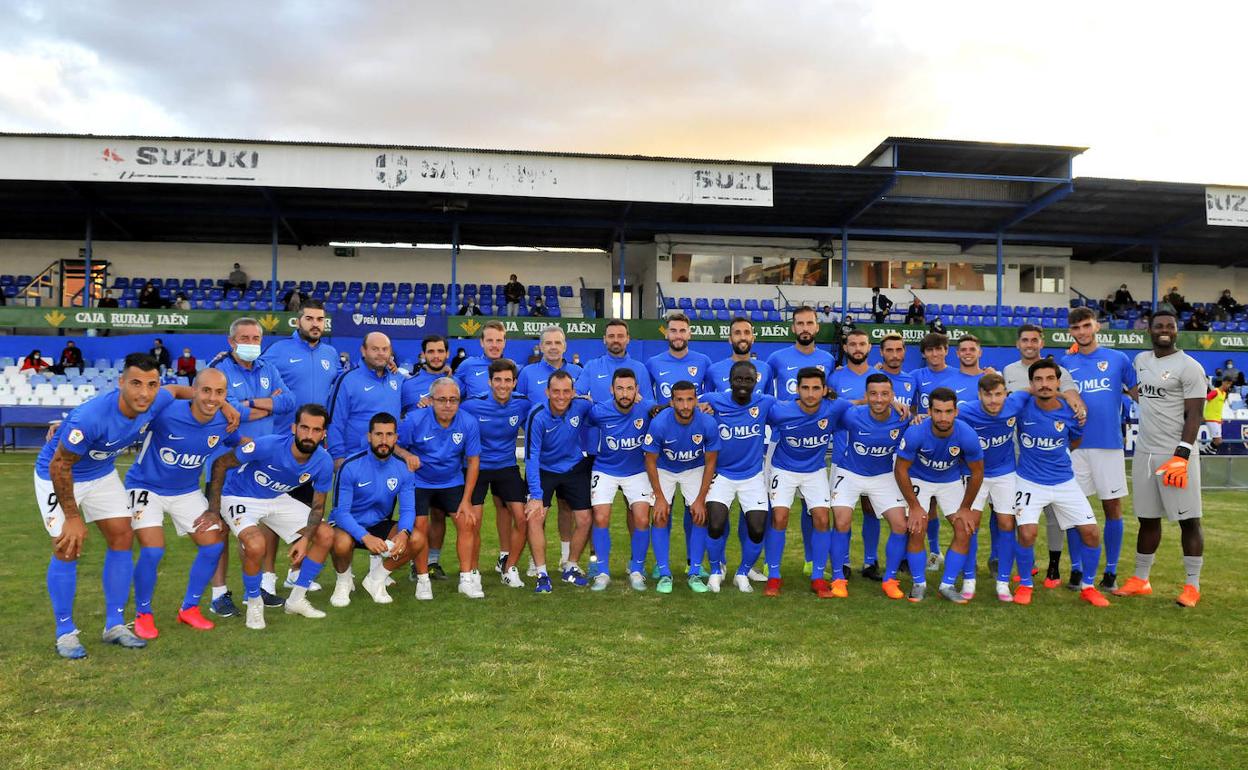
(969, 276)
(868, 272)
(1042, 279)
(917, 274)
(783, 271)
(702, 268)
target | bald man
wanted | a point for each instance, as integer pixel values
(358, 394)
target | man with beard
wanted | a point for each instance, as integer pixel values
(678, 363)
(936, 374)
(741, 337)
(472, 374)
(368, 485)
(849, 383)
(1171, 397)
(360, 393)
(306, 363)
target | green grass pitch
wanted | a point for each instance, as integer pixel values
(626, 680)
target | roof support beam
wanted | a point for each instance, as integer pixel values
(277, 212)
(880, 192)
(1153, 236)
(1054, 195)
(95, 210)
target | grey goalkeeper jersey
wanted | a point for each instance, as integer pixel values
(1165, 384)
(1015, 375)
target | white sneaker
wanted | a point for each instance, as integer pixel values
(934, 560)
(637, 581)
(390, 581)
(468, 587)
(376, 589)
(511, 578)
(424, 588)
(968, 588)
(715, 581)
(301, 606)
(1003, 591)
(532, 570)
(342, 592)
(601, 581)
(756, 577)
(255, 613)
(743, 584)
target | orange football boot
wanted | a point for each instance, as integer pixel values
(1022, 595)
(1093, 597)
(840, 588)
(773, 587)
(145, 626)
(1134, 587)
(1189, 596)
(195, 619)
(821, 588)
(892, 589)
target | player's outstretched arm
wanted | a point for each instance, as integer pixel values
(74, 531)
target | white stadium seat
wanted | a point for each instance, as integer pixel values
(28, 400)
(10, 372)
(8, 399)
(50, 400)
(22, 389)
(86, 391)
(64, 390)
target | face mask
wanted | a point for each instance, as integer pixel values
(186, 354)
(248, 352)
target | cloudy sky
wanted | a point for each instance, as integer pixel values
(1157, 91)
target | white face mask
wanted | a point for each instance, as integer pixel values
(248, 352)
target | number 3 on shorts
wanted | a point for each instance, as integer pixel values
(593, 482)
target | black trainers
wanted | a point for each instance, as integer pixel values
(436, 572)
(1076, 580)
(501, 564)
(993, 564)
(872, 572)
(904, 567)
(271, 600)
(1054, 572)
(846, 572)
(1109, 580)
(411, 572)
(223, 606)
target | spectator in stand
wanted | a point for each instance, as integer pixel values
(880, 305)
(344, 361)
(149, 297)
(108, 300)
(513, 292)
(470, 307)
(576, 358)
(937, 325)
(34, 363)
(237, 279)
(915, 314)
(460, 355)
(293, 300)
(1141, 322)
(1176, 300)
(71, 357)
(161, 354)
(1123, 299)
(539, 308)
(825, 314)
(536, 355)
(181, 302)
(1199, 322)
(1227, 306)
(1229, 370)
(186, 365)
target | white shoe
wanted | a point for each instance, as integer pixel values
(468, 587)
(934, 560)
(1003, 591)
(600, 582)
(637, 581)
(424, 588)
(755, 576)
(376, 589)
(532, 570)
(511, 578)
(301, 606)
(715, 581)
(743, 584)
(968, 589)
(390, 581)
(255, 613)
(342, 592)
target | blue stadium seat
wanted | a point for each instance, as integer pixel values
(722, 315)
(974, 320)
(420, 288)
(946, 310)
(7, 280)
(751, 305)
(1049, 312)
(371, 285)
(684, 303)
(470, 290)
(977, 310)
(767, 305)
(718, 304)
(704, 315)
(960, 320)
(961, 310)
(534, 290)
(701, 304)
(773, 315)
(554, 312)
(388, 285)
(669, 303)
(565, 291)
(734, 304)
(757, 315)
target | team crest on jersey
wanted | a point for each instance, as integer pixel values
(392, 483)
(754, 411)
(303, 477)
(758, 376)
(212, 441)
(697, 438)
(907, 386)
(457, 437)
(638, 423)
(575, 421)
(693, 371)
(249, 447)
(1010, 422)
(75, 436)
(1102, 365)
(1059, 426)
(394, 384)
(515, 418)
(954, 451)
(819, 367)
(894, 433)
(325, 364)
(823, 423)
(1165, 375)
(264, 382)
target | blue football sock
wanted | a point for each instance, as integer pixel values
(933, 534)
(870, 539)
(1091, 558)
(954, 563)
(994, 533)
(1026, 558)
(840, 550)
(145, 578)
(970, 560)
(697, 549)
(251, 585)
(750, 551)
(717, 548)
(117, 577)
(661, 542)
(808, 528)
(918, 563)
(601, 538)
(308, 571)
(688, 522)
(1113, 544)
(1005, 555)
(62, 587)
(201, 572)
(894, 552)
(1074, 546)
(773, 545)
(820, 550)
(849, 533)
(640, 543)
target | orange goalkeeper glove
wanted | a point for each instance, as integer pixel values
(1173, 472)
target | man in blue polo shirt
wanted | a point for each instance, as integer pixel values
(415, 389)
(306, 363)
(472, 374)
(741, 338)
(360, 393)
(678, 363)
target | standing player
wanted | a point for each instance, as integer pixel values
(554, 464)
(414, 393)
(1164, 471)
(360, 393)
(255, 491)
(1047, 432)
(619, 464)
(1102, 375)
(678, 363)
(165, 480)
(76, 482)
(930, 461)
(802, 430)
(472, 374)
(936, 374)
(595, 379)
(892, 358)
(499, 417)
(1215, 400)
(367, 486)
(849, 383)
(304, 361)
(681, 450)
(741, 337)
(448, 444)
(742, 416)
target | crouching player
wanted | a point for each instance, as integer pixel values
(1047, 432)
(681, 449)
(368, 485)
(165, 480)
(930, 461)
(252, 485)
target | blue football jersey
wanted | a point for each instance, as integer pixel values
(620, 437)
(552, 442)
(996, 432)
(717, 377)
(787, 362)
(1044, 439)
(667, 370)
(802, 439)
(939, 459)
(533, 378)
(681, 447)
(871, 442)
(848, 386)
(270, 469)
(926, 380)
(473, 376)
(417, 386)
(97, 431)
(903, 387)
(442, 451)
(1101, 377)
(366, 490)
(741, 433)
(498, 425)
(175, 450)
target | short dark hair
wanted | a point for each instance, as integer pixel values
(312, 303)
(804, 309)
(495, 325)
(990, 382)
(502, 365)
(1029, 328)
(969, 338)
(875, 378)
(945, 395)
(381, 418)
(312, 410)
(1044, 363)
(933, 340)
(741, 320)
(683, 385)
(1163, 310)
(615, 322)
(430, 339)
(1079, 315)
(677, 316)
(623, 373)
(857, 333)
(558, 374)
(739, 364)
(811, 373)
(144, 362)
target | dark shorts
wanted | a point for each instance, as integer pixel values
(572, 487)
(445, 500)
(380, 529)
(504, 482)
